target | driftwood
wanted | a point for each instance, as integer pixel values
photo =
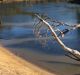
(72, 53)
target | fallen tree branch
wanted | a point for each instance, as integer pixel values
(74, 52)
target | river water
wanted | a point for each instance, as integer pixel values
(16, 31)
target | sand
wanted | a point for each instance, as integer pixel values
(58, 64)
(13, 65)
(35, 62)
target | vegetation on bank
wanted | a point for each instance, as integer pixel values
(8, 1)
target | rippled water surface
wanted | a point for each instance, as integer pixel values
(16, 29)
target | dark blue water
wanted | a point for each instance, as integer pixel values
(16, 25)
(16, 33)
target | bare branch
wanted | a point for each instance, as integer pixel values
(75, 53)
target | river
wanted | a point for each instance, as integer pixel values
(16, 33)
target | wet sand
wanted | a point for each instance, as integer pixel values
(13, 65)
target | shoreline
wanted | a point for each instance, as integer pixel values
(14, 65)
(42, 63)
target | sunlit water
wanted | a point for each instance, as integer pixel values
(16, 26)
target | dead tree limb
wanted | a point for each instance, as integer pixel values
(74, 52)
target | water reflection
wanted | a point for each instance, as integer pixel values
(21, 13)
(18, 18)
(78, 20)
(16, 30)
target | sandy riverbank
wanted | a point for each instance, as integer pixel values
(58, 64)
(12, 65)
